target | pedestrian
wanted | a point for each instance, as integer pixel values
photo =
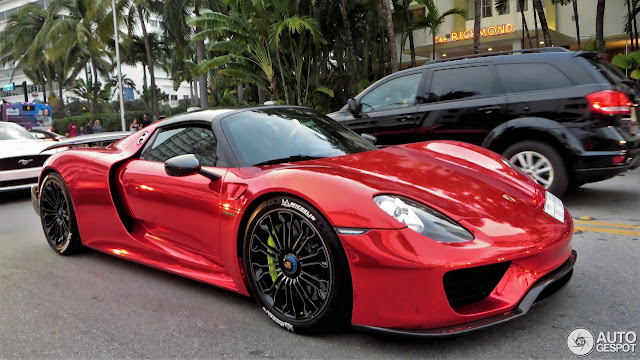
(134, 125)
(97, 128)
(88, 129)
(145, 121)
(73, 129)
(81, 131)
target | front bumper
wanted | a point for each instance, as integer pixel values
(545, 287)
(18, 179)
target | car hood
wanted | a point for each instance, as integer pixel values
(458, 179)
(20, 147)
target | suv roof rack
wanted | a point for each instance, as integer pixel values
(508, 52)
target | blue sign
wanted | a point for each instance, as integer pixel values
(9, 87)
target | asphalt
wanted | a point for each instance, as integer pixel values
(92, 306)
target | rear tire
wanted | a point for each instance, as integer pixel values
(542, 162)
(58, 216)
(296, 267)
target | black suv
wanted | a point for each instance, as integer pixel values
(566, 118)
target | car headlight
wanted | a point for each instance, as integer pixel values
(423, 219)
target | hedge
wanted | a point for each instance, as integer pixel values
(110, 121)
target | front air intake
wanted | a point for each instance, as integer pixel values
(466, 286)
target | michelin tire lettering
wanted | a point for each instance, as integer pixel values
(285, 325)
(290, 204)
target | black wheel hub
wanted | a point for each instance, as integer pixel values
(290, 265)
(54, 211)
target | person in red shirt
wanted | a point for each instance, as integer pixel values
(73, 129)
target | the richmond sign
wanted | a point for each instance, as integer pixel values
(484, 32)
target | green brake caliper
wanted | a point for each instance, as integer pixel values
(271, 261)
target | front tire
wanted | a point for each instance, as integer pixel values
(58, 216)
(296, 267)
(542, 162)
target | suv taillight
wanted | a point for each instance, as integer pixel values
(610, 102)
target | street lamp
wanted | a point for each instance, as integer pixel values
(115, 35)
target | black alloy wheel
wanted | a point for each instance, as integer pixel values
(296, 267)
(58, 216)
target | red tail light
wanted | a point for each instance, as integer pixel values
(610, 102)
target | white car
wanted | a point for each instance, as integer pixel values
(20, 157)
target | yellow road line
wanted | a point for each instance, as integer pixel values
(603, 223)
(608, 231)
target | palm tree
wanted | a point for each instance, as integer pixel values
(18, 47)
(476, 26)
(630, 23)
(351, 54)
(537, 5)
(412, 48)
(388, 18)
(501, 7)
(433, 19)
(83, 28)
(599, 27)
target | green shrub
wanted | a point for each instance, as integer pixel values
(110, 121)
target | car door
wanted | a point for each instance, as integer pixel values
(179, 214)
(463, 103)
(391, 110)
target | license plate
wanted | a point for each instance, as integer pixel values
(554, 207)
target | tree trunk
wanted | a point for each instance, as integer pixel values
(386, 10)
(476, 26)
(94, 100)
(575, 13)
(196, 99)
(200, 54)
(284, 84)
(152, 76)
(191, 102)
(599, 27)
(355, 77)
(635, 26)
(262, 97)
(433, 46)
(630, 25)
(60, 94)
(240, 93)
(412, 47)
(535, 24)
(524, 25)
(537, 4)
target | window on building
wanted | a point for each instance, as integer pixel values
(417, 14)
(396, 93)
(507, 8)
(525, 77)
(187, 140)
(462, 83)
(471, 10)
(525, 2)
(174, 97)
(487, 8)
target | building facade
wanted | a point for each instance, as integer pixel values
(135, 73)
(504, 31)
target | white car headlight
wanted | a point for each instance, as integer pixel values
(423, 219)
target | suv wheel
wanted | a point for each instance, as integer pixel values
(542, 162)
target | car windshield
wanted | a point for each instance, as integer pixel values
(278, 135)
(10, 131)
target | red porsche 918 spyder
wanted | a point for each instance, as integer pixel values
(320, 226)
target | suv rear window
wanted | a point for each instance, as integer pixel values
(525, 77)
(462, 83)
(610, 72)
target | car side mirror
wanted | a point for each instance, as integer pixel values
(370, 138)
(39, 136)
(188, 164)
(354, 106)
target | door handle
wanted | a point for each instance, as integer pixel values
(490, 109)
(404, 118)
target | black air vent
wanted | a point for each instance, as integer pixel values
(470, 285)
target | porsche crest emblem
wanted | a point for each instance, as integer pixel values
(287, 264)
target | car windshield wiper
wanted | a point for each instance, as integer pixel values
(289, 159)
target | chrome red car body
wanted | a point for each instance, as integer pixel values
(192, 226)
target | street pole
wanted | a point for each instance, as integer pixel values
(115, 35)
